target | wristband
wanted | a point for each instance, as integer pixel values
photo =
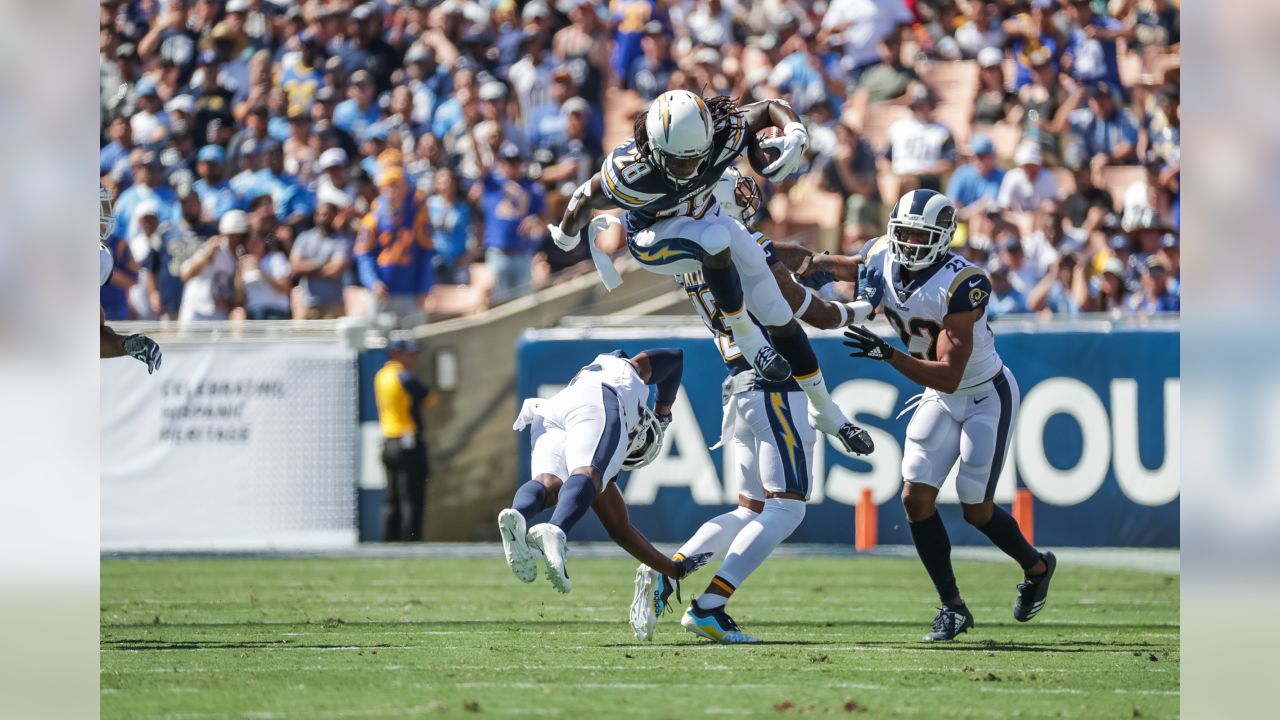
(844, 314)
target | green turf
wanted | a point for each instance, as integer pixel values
(395, 638)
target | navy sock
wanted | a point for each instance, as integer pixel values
(530, 499)
(574, 501)
(725, 287)
(934, 548)
(1005, 533)
(797, 351)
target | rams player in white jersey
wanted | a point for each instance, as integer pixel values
(110, 343)
(773, 446)
(664, 177)
(937, 303)
(583, 436)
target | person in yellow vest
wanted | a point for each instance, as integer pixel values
(401, 398)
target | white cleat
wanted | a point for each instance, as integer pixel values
(643, 618)
(519, 555)
(550, 541)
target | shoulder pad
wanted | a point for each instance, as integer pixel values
(970, 290)
(623, 176)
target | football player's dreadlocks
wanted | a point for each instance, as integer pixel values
(720, 107)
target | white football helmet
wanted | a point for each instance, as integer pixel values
(106, 221)
(646, 440)
(739, 195)
(105, 264)
(926, 210)
(680, 129)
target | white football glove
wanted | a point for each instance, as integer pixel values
(792, 144)
(563, 241)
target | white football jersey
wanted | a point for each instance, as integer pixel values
(615, 370)
(916, 309)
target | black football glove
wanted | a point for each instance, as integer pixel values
(145, 349)
(867, 344)
(688, 565)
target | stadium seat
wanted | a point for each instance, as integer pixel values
(955, 81)
(620, 108)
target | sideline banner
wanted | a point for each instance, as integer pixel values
(1096, 439)
(230, 446)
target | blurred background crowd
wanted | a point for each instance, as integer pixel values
(275, 159)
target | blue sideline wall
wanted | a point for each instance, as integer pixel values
(1096, 440)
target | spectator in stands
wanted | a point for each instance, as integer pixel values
(577, 155)
(578, 48)
(1090, 54)
(360, 109)
(1023, 275)
(451, 229)
(850, 171)
(148, 184)
(1035, 36)
(921, 149)
(113, 159)
(320, 259)
(1047, 239)
(1005, 299)
(495, 108)
(401, 399)
(980, 30)
(208, 274)
(256, 122)
(428, 81)
(1107, 291)
(215, 193)
(628, 19)
(176, 243)
(1145, 199)
(263, 279)
(1161, 131)
(1089, 203)
(975, 186)
(531, 75)
(1045, 104)
(1103, 128)
(863, 24)
(333, 171)
(394, 250)
(890, 78)
(993, 101)
(1154, 296)
(650, 74)
(1029, 184)
(512, 205)
(1063, 290)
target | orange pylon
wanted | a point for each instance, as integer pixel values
(865, 536)
(1023, 512)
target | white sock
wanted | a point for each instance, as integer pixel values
(828, 415)
(755, 543)
(745, 333)
(715, 534)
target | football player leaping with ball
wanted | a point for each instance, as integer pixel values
(937, 303)
(664, 178)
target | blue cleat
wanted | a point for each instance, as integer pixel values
(715, 625)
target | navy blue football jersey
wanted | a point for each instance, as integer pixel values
(645, 193)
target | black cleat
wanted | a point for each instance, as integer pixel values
(855, 439)
(949, 623)
(1033, 590)
(771, 366)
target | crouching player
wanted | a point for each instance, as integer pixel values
(937, 302)
(773, 446)
(597, 426)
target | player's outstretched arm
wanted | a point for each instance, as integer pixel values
(807, 306)
(140, 347)
(613, 514)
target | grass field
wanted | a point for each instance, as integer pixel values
(427, 637)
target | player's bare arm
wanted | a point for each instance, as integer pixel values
(664, 368)
(110, 343)
(950, 353)
(586, 198)
(616, 519)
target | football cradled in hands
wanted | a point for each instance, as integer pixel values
(760, 158)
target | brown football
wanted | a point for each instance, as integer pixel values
(761, 158)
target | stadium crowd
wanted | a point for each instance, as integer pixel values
(273, 159)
